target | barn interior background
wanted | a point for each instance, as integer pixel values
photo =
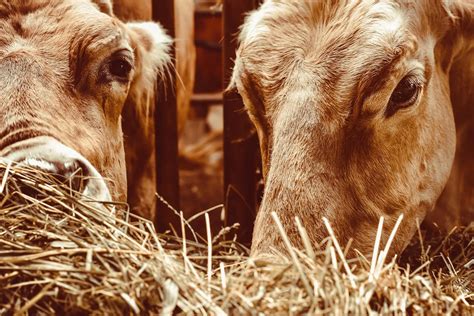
(122, 266)
(218, 148)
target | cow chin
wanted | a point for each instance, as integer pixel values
(51, 156)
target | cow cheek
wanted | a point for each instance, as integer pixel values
(113, 163)
(115, 159)
(406, 167)
(117, 172)
(439, 159)
(113, 102)
(103, 146)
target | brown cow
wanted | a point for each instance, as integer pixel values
(68, 67)
(138, 126)
(353, 104)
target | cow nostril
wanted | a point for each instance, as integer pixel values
(56, 165)
(72, 174)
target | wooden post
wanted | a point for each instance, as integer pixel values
(166, 129)
(240, 142)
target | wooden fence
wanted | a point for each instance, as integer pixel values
(241, 158)
(166, 129)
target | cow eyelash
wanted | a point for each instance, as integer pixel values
(405, 94)
(118, 67)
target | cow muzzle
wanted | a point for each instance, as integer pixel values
(49, 155)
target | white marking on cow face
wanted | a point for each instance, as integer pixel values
(40, 164)
(19, 44)
(390, 25)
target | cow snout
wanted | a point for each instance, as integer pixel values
(65, 164)
(67, 170)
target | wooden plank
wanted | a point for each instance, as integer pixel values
(240, 142)
(166, 130)
(206, 99)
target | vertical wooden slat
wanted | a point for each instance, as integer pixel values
(240, 144)
(166, 129)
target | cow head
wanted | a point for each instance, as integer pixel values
(351, 102)
(67, 67)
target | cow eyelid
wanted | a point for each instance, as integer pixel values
(125, 54)
(118, 66)
(405, 94)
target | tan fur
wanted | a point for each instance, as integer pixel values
(51, 56)
(316, 77)
(139, 125)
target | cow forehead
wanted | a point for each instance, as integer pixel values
(312, 25)
(51, 27)
(333, 43)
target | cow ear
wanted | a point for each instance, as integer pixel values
(152, 46)
(461, 13)
(105, 6)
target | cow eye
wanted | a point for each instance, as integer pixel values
(404, 95)
(120, 68)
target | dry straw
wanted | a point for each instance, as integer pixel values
(59, 254)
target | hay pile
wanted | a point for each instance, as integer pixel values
(60, 255)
